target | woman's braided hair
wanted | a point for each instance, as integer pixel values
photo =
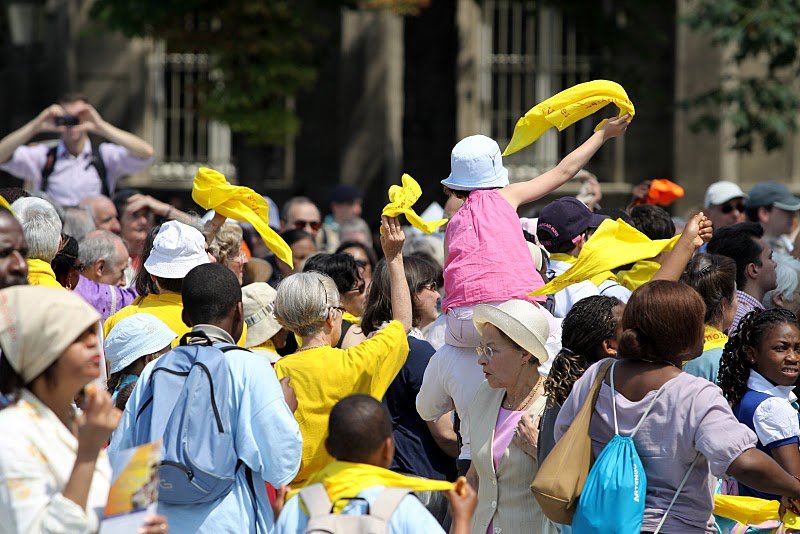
(590, 322)
(734, 369)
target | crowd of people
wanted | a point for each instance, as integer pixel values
(414, 381)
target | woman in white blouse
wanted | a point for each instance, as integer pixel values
(54, 474)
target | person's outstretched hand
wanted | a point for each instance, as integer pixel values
(616, 126)
(392, 238)
(698, 230)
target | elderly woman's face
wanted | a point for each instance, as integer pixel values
(500, 359)
(79, 364)
(236, 262)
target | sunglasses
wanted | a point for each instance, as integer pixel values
(300, 224)
(729, 207)
(430, 285)
(360, 288)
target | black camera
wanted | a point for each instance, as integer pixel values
(67, 120)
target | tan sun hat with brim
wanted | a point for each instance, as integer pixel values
(258, 301)
(520, 320)
(38, 323)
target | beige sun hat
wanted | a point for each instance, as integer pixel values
(258, 301)
(520, 320)
(38, 323)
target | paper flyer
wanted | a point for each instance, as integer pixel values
(134, 491)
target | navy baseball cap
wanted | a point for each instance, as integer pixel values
(563, 220)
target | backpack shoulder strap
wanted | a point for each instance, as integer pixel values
(100, 166)
(677, 492)
(387, 502)
(49, 165)
(316, 500)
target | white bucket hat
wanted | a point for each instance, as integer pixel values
(520, 320)
(258, 301)
(134, 337)
(177, 249)
(476, 163)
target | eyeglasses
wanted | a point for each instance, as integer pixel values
(485, 352)
(301, 224)
(430, 285)
(341, 309)
(360, 288)
(729, 207)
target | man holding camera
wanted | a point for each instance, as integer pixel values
(73, 169)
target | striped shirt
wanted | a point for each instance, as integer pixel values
(747, 303)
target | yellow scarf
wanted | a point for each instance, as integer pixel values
(401, 201)
(641, 273)
(566, 108)
(5, 204)
(346, 479)
(40, 273)
(752, 510)
(596, 279)
(213, 192)
(615, 243)
(713, 338)
(350, 318)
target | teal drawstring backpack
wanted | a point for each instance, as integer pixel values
(612, 500)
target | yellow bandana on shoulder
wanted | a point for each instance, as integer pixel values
(401, 202)
(346, 479)
(615, 243)
(213, 192)
(713, 338)
(350, 318)
(567, 108)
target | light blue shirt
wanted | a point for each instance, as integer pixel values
(266, 437)
(410, 517)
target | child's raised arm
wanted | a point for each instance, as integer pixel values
(524, 192)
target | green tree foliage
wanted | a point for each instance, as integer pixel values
(762, 104)
(263, 51)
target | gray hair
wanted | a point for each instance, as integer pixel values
(787, 276)
(355, 225)
(304, 301)
(41, 226)
(227, 242)
(291, 202)
(78, 222)
(98, 245)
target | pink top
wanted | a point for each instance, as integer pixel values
(507, 421)
(487, 255)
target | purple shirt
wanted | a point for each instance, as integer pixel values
(746, 304)
(106, 299)
(689, 416)
(73, 177)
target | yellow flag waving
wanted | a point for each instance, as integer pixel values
(213, 192)
(615, 243)
(401, 201)
(567, 108)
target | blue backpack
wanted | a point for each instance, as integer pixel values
(185, 404)
(612, 500)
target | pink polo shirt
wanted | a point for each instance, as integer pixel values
(487, 255)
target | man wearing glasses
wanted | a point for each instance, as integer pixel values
(724, 204)
(300, 213)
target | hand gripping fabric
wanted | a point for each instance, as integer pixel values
(402, 200)
(185, 403)
(321, 518)
(561, 476)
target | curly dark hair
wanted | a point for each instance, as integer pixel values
(590, 322)
(734, 369)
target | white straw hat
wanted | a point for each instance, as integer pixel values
(136, 336)
(258, 301)
(177, 249)
(520, 320)
(476, 163)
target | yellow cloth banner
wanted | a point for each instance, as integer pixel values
(596, 279)
(213, 192)
(752, 510)
(5, 204)
(641, 273)
(567, 108)
(615, 243)
(713, 338)
(347, 479)
(401, 202)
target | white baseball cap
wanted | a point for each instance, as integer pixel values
(720, 192)
(134, 337)
(177, 249)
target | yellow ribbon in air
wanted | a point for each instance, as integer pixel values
(213, 192)
(401, 201)
(615, 243)
(348, 479)
(567, 108)
(752, 510)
